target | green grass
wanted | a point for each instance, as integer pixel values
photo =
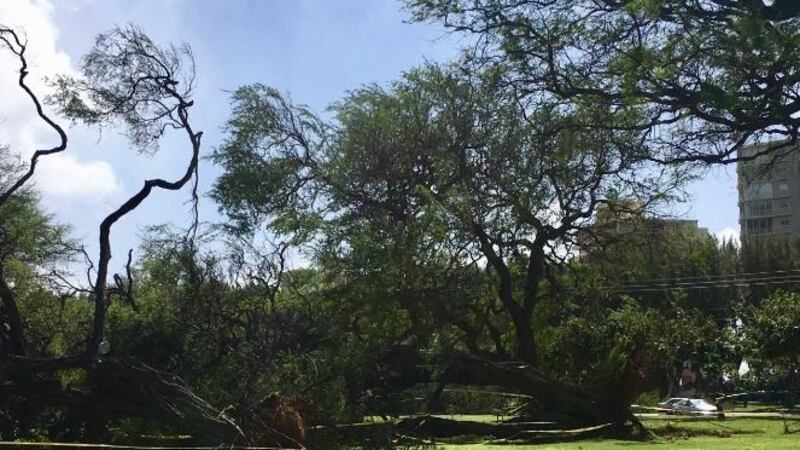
(681, 434)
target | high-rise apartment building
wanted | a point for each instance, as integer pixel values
(769, 196)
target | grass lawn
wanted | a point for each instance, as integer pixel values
(682, 434)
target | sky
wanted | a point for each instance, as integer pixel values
(314, 50)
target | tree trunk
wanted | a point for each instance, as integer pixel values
(16, 331)
(526, 345)
(575, 405)
(520, 316)
(424, 429)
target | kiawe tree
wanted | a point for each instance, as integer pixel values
(772, 338)
(126, 80)
(708, 77)
(13, 181)
(448, 166)
(130, 80)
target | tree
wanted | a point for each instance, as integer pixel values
(707, 76)
(33, 249)
(126, 78)
(651, 258)
(130, 80)
(443, 169)
(14, 178)
(774, 336)
(649, 271)
(11, 40)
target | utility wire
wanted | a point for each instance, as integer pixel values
(693, 287)
(732, 275)
(730, 281)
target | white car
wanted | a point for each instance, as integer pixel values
(693, 405)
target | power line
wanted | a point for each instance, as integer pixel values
(721, 282)
(711, 286)
(711, 277)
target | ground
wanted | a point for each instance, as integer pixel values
(673, 432)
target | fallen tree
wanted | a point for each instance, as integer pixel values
(430, 429)
(568, 404)
(545, 400)
(124, 389)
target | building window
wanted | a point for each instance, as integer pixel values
(760, 207)
(758, 191)
(783, 187)
(756, 226)
(783, 204)
(785, 222)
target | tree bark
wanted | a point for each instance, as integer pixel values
(16, 331)
(520, 317)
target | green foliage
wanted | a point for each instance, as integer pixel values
(235, 346)
(704, 76)
(412, 185)
(34, 252)
(28, 235)
(263, 177)
(129, 80)
(772, 339)
(651, 398)
(437, 215)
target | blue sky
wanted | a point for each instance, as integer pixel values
(315, 50)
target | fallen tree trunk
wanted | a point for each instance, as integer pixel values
(153, 394)
(566, 404)
(125, 388)
(577, 406)
(432, 426)
(431, 429)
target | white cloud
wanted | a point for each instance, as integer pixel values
(728, 234)
(20, 128)
(64, 176)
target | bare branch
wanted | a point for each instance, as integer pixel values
(12, 41)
